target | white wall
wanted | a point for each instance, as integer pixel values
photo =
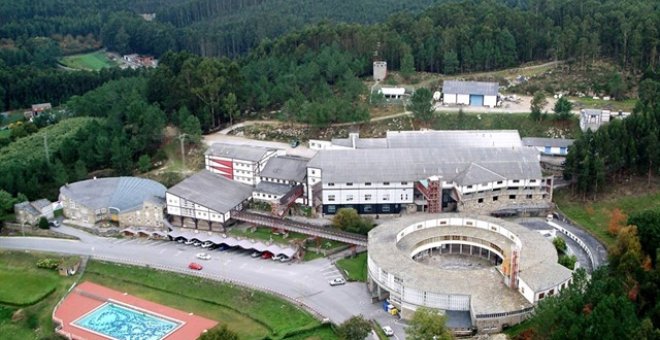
(463, 99)
(490, 101)
(449, 98)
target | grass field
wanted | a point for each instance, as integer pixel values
(589, 103)
(595, 215)
(252, 314)
(22, 288)
(32, 322)
(89, 61)
(355, 268)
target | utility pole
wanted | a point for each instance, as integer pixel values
(46, 149)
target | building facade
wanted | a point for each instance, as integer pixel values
(31, 212)
(242, 163)
(471, 93)
(126, 201)
(205, 201)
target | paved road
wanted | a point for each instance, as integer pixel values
(306, 282)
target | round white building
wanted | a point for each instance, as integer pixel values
(484, 273)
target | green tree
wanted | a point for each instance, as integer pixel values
(193, 128)
(231, 107)
(60, 173)
(421, 105)
(144, 163)
(219, 333)
(560, 244)
(428, 324)
(80, 170)
(563, 108)
(450, 62)
(355, 328)
(537, 105)
(648, 228)
(407, 65)
(43, 223)
(349, 220)
(6, 205)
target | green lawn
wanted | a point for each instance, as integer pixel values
(595, 215)
(35, 321)
(355, 268)
(24, 287)
(321, 333)
(252, 314)
(506, 121)
(89, 61)
(587, 102)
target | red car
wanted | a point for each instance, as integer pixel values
(195, 266)
(266, 255)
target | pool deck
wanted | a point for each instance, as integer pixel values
(88, 296)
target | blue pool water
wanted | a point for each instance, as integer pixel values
(122, 323)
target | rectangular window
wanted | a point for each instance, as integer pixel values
(469, 187)
(404, 183)
(495, 198)
(331, 198)
(332, 209)
(481, 200)
(349, 184)
(512, 197)
(541, 296)
(516, 181)
(368, 208)
(500, 182)
(529, 197)
(386, 208)
(386, 197)
(532, 181)
(331, 184)
(367, 183)
(386, 183)
(349, 198)
(313, 172)
(367, 197)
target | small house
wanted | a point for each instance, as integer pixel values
(471, 93)
(30, 212)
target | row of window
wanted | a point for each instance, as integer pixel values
(501, 182)
(367, 208)
(511, 197)
(266, 195)
(367, 184)
(367, 197)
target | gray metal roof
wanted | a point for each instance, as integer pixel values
(212, 191)
(361, 143)
(465, 166)
(123, 193)
(273, 188)
(453, 138)
(592, 112)
(241, 152)
(232, 241)
(551, 142)
(28, 208)
(470, 87)
(287, 168)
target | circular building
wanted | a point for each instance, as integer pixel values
(484, 273)
(127, 201)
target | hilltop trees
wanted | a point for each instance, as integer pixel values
(421, 104)
(427, 324)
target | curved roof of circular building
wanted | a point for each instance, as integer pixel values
(538, 259)
(123, 193)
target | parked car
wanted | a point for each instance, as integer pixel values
(207, 244)
(337, 281)
(278, 257)
(285, 259)
(388, 331)
(54, 224)
(180, 240)
(203, 256)
(266, 255)
(223, 247)
(195, 266)
(256, 254)
(189, 242)
(197, 243)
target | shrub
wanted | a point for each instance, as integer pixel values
(48, 263)
(43, 223)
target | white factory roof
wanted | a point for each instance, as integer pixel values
(434, 139)
(543, 142)
(465, 166)
(213, 191)
(470, 87)
(242, 152)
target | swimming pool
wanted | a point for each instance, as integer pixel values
(124, 323)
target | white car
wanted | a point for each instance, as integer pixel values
(203, 256)
(207, 244)
(285, 258)
(197, 243)
(278, 257)
(189, 242)
(256, 254)
(337, 281)
(388, 331)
